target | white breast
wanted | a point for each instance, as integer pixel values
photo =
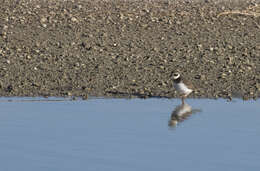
(182, 88)
(182, 110)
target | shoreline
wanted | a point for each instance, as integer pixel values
(129, 48)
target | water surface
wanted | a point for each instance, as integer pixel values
(136, 134)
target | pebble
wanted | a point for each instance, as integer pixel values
(43, 20)
(5, 27)
(74, 19)
(230, 47)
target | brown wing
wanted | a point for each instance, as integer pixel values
(188, 84)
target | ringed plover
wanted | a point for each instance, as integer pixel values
(182, 86)
(180, 113)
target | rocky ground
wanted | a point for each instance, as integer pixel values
(129, 48)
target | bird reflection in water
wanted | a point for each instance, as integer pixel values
(181, 113)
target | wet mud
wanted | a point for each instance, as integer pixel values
(129, 48)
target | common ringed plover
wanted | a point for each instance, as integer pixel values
(180, 113)
(182, 86)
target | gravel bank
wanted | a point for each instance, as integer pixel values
(129, 48)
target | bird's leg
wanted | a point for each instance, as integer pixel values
(182, 98)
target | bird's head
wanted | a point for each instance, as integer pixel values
(176, 75)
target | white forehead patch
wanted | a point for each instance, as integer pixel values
(176, 75)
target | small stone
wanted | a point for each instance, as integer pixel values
(5, 27)
(9, 88)
(258, 86)
(156, 49)
(202, 77)
(197, 77)
(77, 64)
(223, 75)
(43, 20)
(3, 33)
(229, 47)
(79, 6)
(74, 19)
(199, 45)
(37, 44)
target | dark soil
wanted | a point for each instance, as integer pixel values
(129, 48)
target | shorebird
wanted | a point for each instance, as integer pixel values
(182, 86)
(180, 113)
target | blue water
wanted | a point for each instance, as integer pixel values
(136, 134)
